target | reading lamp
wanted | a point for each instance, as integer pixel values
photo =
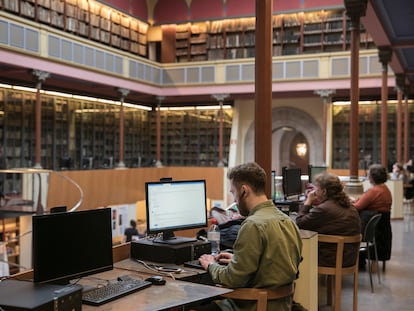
(37, 171)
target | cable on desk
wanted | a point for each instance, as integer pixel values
(171, 275)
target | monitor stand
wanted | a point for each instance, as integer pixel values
(168, 237)
(175, 240)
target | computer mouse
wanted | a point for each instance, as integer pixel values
(156, 280)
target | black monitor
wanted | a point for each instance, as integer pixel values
(175, 205)
(291, 181)
(315, 170)
(65, 163)
(71, 245)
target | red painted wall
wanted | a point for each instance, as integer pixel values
(204, 10)
(176, 11)
(170, 11)
(131, 7)
(138, 9)
(240, 8)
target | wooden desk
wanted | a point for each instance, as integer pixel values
(188, 274)
(306, 289)
(174, 293)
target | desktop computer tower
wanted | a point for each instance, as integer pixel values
(25, 295)
(168, 253)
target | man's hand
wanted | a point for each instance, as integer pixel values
(205, 260)
(224, 258)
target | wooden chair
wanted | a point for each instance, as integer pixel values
(368, 244)
(338, 271)
(261, 295)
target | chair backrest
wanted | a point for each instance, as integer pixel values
(369, 233)
(261, 295)
(340, 241)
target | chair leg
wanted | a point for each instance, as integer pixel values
(376, 262)
(338, 289)
(383, 266)
(369, 266)
(356, 290)
(329, 290)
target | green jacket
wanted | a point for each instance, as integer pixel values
(267, 253)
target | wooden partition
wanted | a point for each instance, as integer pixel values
(120, 186)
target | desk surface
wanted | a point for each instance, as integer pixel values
(175, 293)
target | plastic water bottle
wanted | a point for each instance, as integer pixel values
(213, 236)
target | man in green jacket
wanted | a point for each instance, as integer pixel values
(267, 250)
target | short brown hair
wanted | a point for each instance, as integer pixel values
(251, 174)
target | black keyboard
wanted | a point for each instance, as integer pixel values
(193, 264)
(112, 291)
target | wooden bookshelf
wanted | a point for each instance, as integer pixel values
(9, 233)
(91, 20)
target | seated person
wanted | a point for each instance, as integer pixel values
(377, 199)
(267, 251)
(328, 210)
(398, 172)
(130, 231)
(229, 222)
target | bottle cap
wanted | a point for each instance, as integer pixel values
(213, 221)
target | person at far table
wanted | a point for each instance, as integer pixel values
(328, 210)
(131, 231)
(377, 199)
(267, 251)
(398, 172)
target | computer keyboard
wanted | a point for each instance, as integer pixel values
(112, 291)
(193, 264)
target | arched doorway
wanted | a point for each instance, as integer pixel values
(290, 127)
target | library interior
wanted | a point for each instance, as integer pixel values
(116, 110)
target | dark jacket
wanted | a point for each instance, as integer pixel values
(228, 232)
(330, 218)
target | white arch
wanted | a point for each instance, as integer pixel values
(298, 121)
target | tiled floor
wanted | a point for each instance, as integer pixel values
(396, 291)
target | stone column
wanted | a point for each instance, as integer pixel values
(354, 9)
(400, 83)
(327, 99)
(123, 93)
(263, 89)
(158, 163)
(40, 77)
(384, 55)
(406, 126)
(220, 98)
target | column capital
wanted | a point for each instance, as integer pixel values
(40, 75)
(123, 92)
(220, 97)
(384, 54)
(355, 9)
(324, 93)
(160, 99)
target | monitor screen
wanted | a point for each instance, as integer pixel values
(291, 181)
(175, 205)
(315, 170)
(71, 245)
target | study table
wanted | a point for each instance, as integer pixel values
(174, 293)
(306, 287)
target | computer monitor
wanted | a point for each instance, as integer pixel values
(173, 206)
(291, 181)
(71, 245)
(315, 170)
